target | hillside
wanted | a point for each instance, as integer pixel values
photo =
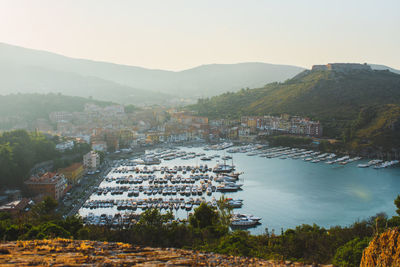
(26, 108)
(31, 70)
(334, 97)
(376, 125)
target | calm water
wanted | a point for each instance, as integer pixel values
(286, 193)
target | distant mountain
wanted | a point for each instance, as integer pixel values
(214, 79)
(33, 79)
(335, 97)
(30, 70)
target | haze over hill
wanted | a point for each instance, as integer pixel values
(27, 70)
(362, 100)
(317, 93)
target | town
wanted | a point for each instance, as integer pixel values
(111, 131)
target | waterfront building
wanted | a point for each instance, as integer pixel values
(73, 173)
(282, 124)
(49, 184)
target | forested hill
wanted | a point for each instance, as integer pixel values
(318, 94)
(334, 97)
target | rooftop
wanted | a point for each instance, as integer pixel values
(72, 167)
(47, 178)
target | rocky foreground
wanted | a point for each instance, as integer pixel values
(65, 252)
(383, 250)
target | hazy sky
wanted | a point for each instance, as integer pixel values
(179, 34)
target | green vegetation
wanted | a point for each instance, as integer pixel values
(21, 150)
(341, 101)
(323, 95)
(287, 140)
(131, 108)
(207, 230)
(376, 126)
(26, 108)
(349, 255)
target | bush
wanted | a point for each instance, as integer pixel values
(51, 230)
(236, 243)
(349, 255)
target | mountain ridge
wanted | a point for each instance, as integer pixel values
(117, 82)
(209, 79)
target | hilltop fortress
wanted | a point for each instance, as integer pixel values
(342, 67)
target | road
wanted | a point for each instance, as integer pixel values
(89, 191)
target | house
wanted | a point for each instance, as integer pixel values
(67, 145)
(99, 146)
(15, 207)
(49, 184)
(60, 116)
(233, 133)
(73, 173)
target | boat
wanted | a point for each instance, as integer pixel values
(363, 165)
(222, 179)
(243, 222)
(235, 203)
(223, 168)
(188, 206)
(229, 187)
(246, 216)
(209, 191)
(151, 161)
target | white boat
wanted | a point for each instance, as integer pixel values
(246, 216)
(229, 187)
(244, 222)
(220, 168)
(363, 165)
(235, 203)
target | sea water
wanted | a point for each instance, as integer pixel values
(289, 192)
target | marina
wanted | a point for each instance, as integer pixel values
(254, 179)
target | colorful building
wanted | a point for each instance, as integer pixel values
(49, 184)
(73, 173)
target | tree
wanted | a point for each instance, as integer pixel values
(153, 217)
(397, 204)
(225, 211)
(204, 216)
(131, 108)
(46, 208)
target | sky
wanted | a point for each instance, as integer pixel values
(180, 34)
